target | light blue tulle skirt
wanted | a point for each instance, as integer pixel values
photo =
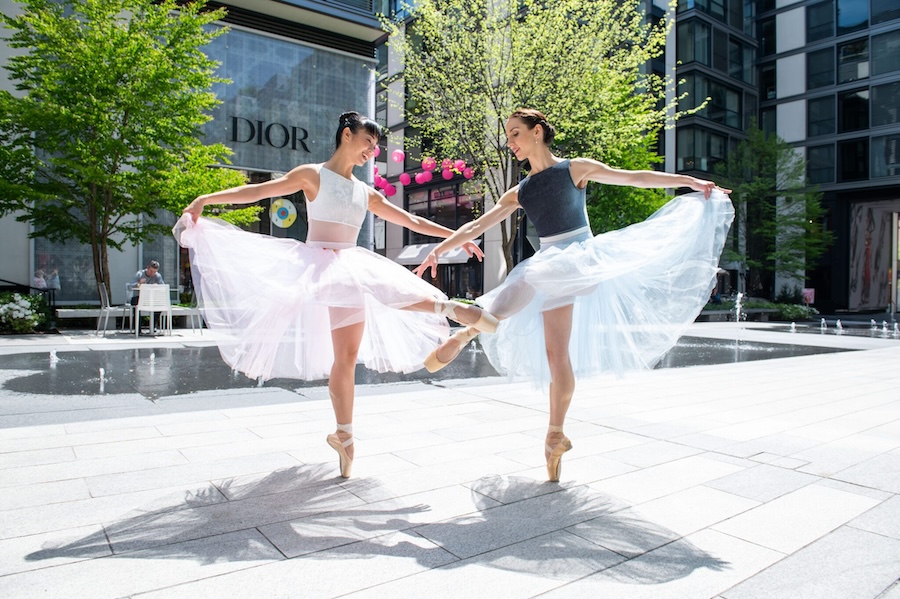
(634, 291)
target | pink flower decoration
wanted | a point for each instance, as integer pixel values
(468, 173)
(404, 178)
(397, 155)
(420, 177)
(376, 170)
(427, 176)
(389, 190)
(459, 165)
(379, 181)
(446, 163)
(447, 174)
(377, 151)
(429, 163)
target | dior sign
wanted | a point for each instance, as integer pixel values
(272, 134)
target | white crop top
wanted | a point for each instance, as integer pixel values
(340, 200)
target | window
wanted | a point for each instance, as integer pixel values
(768, 121)
(767, 81)
(724, 105)
(736, 13)
(852, 15)
(819, 21)
(766, 5)
(885, 10)
(750, 107)
(381, 57)
(853, 60)
(820, 164)
(886, 53)
(886, 104)
(720, 50)
(698, 149)
(820, 116)
(853, 158)
(853, 111)
(767, 37)
(692, 43)
(820, 68)
(886, 156)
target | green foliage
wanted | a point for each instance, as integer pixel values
(21, 313)
(105, 128)
(795, 311)
(468, 64)
(778, 216)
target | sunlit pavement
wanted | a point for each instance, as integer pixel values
(171, 476)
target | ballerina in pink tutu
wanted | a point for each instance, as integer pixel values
(583, 304)
(311, 310)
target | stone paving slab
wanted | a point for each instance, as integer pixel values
(772, 478)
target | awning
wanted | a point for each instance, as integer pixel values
(415, 254)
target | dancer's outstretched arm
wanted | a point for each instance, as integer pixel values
(304, 177)
(586, 169)
(381, 207)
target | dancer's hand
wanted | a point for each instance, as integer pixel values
(430, 262)
(706, 187)
(195, 209)
(472, 249)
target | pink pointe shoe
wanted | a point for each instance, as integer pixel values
(346, 462)
(555, 453)
(459, 341)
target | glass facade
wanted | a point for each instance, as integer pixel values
(282, 106)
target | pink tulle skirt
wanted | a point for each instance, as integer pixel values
(278, 300)
(634, 291)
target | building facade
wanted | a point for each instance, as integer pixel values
(294, 66)
(831, 75)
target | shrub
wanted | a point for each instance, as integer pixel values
(795, 312)
(21, 313)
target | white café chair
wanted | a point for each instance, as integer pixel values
(153, 298)
(107, 310)
(192, 313)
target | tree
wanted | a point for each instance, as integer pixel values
(468, 64)
(106, 128)
(778, 216)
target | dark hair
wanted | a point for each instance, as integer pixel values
(532, 117)
(355, 121)
(153, 264)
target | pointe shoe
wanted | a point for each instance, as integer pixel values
(461, 339)
(486, 323)
(340, 447)
(554, 462)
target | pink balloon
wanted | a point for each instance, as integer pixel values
(389, 190)
(468, 173)
(447, 174)
(446, 163)
(379, 181)
(429, 163)
(397, 155)
(427, 176)
(459, 165)
(377, 151)
(420, 177)
(404, 178)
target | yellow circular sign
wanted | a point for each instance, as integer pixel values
(283, 213)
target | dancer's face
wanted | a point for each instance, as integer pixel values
(522, 141)
(362, 146)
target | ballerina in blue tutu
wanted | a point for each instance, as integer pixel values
(310, 310)
(584, 305)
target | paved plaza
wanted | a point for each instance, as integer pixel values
(171, 477)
